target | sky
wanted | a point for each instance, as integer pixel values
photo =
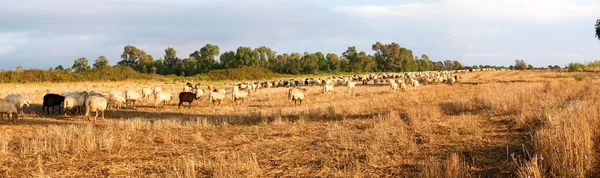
(46, 33)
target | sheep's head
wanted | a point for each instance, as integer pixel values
(27, 102)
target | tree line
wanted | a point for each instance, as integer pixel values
(386, 58)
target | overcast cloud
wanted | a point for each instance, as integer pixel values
(44, 33)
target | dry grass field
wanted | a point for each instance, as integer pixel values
(493, 124)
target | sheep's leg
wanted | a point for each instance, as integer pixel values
(190, 105)
(102, 115)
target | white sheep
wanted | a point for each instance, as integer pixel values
(295, 95)
(415, 83)
(327, 88)
(19, 101)
(8, 107)
(146, 92)
(162, 96)
(216, 97)
(351, 86)
(95, 104)
(131, 96)
(239, 96)
(73, 102)
(156, 90)
(116, 99)
(394, 86)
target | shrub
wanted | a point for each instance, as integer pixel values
(575, 67)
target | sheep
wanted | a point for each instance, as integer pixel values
(216, 97)
(162, 96)
(51, 100)
(146, 92)
(415, 83)
(19, 101)
(351, 86)
(95, 104)
(327, 88)
(186, 97)
(73, 102)
(295, 95)
(131, 96)
(451, 80)
(394, 86)
(116, 99)
(8, 107)
(239, 96)
(187, 87)
(156, 90)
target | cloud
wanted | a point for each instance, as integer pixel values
(64, 30)
(10, 42)
(546, 11)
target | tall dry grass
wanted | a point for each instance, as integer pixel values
(505, 124)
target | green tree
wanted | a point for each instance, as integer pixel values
(323, 62)
(310, 63)
(530, 67)
(265, 54)
(334, 62)
(598, 29)
(81, 64)
(205, 57)
(293, 65)
(227, 60)
(59, 67)
(170, 57)
(131, 55)
(101, 62)
(245, 56)
(520, 64)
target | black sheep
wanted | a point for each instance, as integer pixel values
(52, 100)
(188, 97)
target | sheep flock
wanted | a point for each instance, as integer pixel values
(94, 104)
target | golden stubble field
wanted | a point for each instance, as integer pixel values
(493, 124)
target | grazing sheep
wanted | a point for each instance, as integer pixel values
(95, 104)
(239, 96)
(51, 100)
(73, 102)
(351, 86)
(146, 92)
(187, 87)
(131, 96)
(451, 80)
(19, 101)
(116, 99)
(415, 83)
(162, 96)
(156, 90)
(216, 97)
(327, 88)
(295, 95)
(186, 97)
(8, 107)
(394, 86)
